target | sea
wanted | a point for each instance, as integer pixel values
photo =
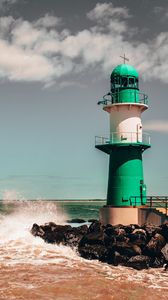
(31, 269)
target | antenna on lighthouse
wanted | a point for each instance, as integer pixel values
(124, 58)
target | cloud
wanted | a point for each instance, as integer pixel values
(158, 9)
(161, 13)
(48, 21)
(103, 11)
(42, 50)
(7, 3)
(18, 64)
(157, 126)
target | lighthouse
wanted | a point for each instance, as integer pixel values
(125, 144)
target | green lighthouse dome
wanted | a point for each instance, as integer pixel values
(124, 70)
(124, 84)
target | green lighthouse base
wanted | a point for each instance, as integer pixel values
(131, 215)
(126, 177)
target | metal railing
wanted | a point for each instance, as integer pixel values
(123, 137)
(134, 95)
(152, 202)
(158, 202)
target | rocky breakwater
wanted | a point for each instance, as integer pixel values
(139, 247)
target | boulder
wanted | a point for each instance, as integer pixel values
(155, 245)
(165, 251)
(157, 262)
(73, 236)
(64, 234)
(119, 259)
(92, 220)
(37, 230)
(126, 249)
(150, 230)
(138, 238)
(95, 227)
(76, 221)
(109, 230)
(164, 231)
(94, 235)
(99, 252)
(128, 229)
(132, 246)
(139, 262)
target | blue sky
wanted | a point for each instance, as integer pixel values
(55, 64)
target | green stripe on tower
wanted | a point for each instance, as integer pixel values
(126, 182)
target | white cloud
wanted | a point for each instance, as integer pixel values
(157, 126)
(103, 11)
(6, 24)
(25, 35)
(48, 21)
(18, 64)
(41, 51)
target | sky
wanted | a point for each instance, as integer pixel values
(55, 63)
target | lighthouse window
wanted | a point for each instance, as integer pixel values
(124, 81)
(136, 83)
(131, 82)
(116, 81)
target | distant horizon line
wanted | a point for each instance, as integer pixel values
(72, 200)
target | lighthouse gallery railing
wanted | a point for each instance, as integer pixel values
(124, 137)
(135, 96)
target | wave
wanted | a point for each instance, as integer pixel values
(18, 246)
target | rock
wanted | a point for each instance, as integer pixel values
(155, 245)
(92, 220)
(164, 231)
(119, 231)
(138, 238)
(151, 230)
(73, 236)
(139, 231)
(99, 252)
(37, 230)
(165, 251)
(64, 234)
(121, 238)
(76, 221)
(127, 249)
(132, 246)
(94, 235)
(119, 259)
(139, 262)
(95, 227)
(157, 262)
(134, 226)
(109, 230)
(128, 229)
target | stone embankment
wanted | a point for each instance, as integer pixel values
(139, 247)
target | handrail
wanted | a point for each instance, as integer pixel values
(123, 137)
(151, 202)
(113, 98)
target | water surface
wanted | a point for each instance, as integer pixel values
(32, 269)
